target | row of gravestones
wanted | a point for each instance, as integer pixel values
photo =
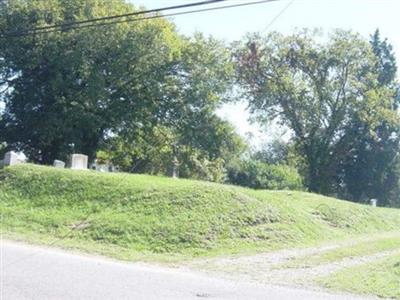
(80, 162)
(77, 162)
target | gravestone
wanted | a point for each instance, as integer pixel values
(59, 164)
(175, 172)
(175, 168)
(102, 167)
(113, 168)
(108, 168)
(79, 162)
(11, 158)
(99, 167)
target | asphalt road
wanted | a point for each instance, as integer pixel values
(29, 272)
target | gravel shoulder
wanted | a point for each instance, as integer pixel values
(269, 268)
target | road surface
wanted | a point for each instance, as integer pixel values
(30, 272)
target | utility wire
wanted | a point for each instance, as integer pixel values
(21, 34)
(128, 14)
(54, 28)
(278, 15)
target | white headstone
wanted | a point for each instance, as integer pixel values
(11, 158)
(59, 164)
(79, 162)
(175, 168)
(102, 167)
(374, 202)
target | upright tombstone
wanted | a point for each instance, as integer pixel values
(102, 168)
(175, 168)
(79, 162)
(59, 164)
(99, 167)
(11, 158)
(112, 168)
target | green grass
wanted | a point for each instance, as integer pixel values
(380, 278)
(357, 249)
(147, 217)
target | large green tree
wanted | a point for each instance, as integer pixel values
(316, 89)
(370, 169)
(71, 87)
(188, 130)
(77, 90)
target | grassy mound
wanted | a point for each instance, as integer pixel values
(131, 216)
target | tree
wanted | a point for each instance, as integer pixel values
(187, 129)
(273, 152)
(385, 64)
(204, 155)
(279, 152)
(316, 89)
(71, 88)
(371, 168)
(115, 87)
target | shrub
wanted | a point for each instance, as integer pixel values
(259, 175)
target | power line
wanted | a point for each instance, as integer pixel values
(278, 15)
(128, 14)
(20, 34)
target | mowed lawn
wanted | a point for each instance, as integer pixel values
(146, 217)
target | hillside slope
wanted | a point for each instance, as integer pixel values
(139, 216)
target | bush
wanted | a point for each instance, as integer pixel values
(259, 175)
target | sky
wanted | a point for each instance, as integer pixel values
(362, 16)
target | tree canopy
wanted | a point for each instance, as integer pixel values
(78, 90)
(318, 90)
(144, 97)
(371, 169)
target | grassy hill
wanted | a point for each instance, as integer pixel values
(139, 216)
